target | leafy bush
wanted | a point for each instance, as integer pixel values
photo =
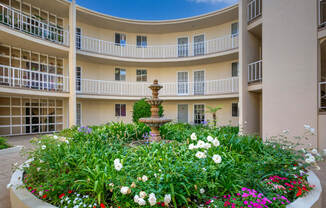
(97, 167)
(3, 143)
(142, 109)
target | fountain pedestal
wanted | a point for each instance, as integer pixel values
(155, 121)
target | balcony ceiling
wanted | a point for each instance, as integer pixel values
(167, 26)
(57, 7)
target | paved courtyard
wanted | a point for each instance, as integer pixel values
(8, 160)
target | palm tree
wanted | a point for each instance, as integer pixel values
(213, 111)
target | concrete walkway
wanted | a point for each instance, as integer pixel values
(8, 160)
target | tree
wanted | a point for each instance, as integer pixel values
(142, 109)
(213, 111)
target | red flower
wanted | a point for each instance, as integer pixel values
(163, 205)
(94, 207)
(61, 195)
(70, 191)
(102, 205)
(44, 196)
(299, 192)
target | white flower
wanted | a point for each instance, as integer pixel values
(152, 199)
(9, 185)
(141, 202)
(142, 194)
(116, 161)
(38, 169)
(314, 151)
(192, 146)
(217, 159)
(40, 193)
(136, 199)
(193, 136)
(202, 190)
(310, 158)
(285, 131)
(55, 137)
(200, 155)
(167, 198)
(317, 167)
(306, 126)
(43, 147)
(125, 190)
(41, 161)
(216, 143)
(155, 175)
(294, 168)
(118, 166)
(209, 138)
(207, 145)
(312, 130)
(144, 178)
(201, 144)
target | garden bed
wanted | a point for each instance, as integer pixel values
(202, 166)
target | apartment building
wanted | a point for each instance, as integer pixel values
(261, 61)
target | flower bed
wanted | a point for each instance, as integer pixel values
(212, 167)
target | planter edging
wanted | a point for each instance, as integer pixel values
(11, 150)
(22, 198)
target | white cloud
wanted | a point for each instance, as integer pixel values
(216, 1)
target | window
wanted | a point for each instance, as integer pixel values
(199, 82)
(78, 114)
(141, 41)
(78, 37)
(78, 78)
(235, 110)
(182, 83)
(141, 75)
(235, 69)
(120, 39)
(120, 74)
(199, 45)
(199, 113)
(120, 110)
(234, 29)
(182, 47)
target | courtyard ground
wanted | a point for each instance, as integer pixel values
(8, 160)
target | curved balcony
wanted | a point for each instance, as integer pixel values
(208, 47)
(32, 25)
(174, 89)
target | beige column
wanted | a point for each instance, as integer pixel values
(72, 63)
(249, 108)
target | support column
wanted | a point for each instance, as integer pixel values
(72, 63)
(249, 121)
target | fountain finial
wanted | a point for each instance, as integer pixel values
(155, 121)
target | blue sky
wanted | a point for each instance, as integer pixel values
(155, 9)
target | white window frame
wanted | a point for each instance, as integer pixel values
(237, 110)
(188, 117)
(80, 115)
(188, 49)
(141, 75)
(193, 80)
(80, 38)
(80, 82)
(193, 44)
(177, 82)
(120, 116)
(120, 68)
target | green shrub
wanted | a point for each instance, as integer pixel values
(3, 143)
(142, 109)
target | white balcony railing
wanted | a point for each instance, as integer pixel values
(322, 95)
(254, 9)
(139, 89)
(23, 78)
(159, 51)
(255, 71)
(32, 25)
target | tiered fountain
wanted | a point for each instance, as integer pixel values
(155, 121)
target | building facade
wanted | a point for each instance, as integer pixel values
(261, 61)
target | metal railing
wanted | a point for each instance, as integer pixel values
(255, 71)
(254, 9)
(322, 95)
(32, 25)
(94, 45)
(322, 13)
(25, 78)
(140, 89)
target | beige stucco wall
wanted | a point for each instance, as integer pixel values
(155, 39)
(289, 66)
(322, 131)
(96, 112)
(214, 71)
